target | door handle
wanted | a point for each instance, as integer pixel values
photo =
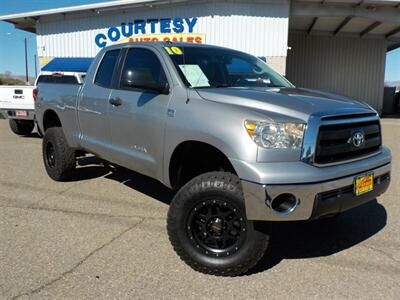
(116, 101)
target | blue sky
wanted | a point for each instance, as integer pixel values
(12, 40)
(393, 66)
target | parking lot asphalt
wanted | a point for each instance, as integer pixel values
(103, 236)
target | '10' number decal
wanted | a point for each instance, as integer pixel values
(173, 50)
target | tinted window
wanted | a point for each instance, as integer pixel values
(45, 79)
(106, 68)
(67, 79)
(145, 61)
(239, 66)
(57, 79)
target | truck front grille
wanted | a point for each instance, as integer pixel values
(335, 142)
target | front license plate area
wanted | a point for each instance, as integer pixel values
(21, 113)
(363, 184)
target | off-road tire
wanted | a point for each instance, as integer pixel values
(61, 165)
(221, 186)
(21, 127)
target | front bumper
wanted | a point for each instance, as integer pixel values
(314, 200)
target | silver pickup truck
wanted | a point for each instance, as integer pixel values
(237, 142)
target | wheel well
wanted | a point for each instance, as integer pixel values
(50, 119)
(192, 158)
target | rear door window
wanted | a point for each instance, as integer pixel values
(106, 68)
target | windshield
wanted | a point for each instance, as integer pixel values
(202, 67)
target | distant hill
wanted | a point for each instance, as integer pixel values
(11, 79)
(392, 83)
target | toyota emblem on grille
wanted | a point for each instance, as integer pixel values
(358, 139)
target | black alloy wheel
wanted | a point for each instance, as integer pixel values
(216, 227)
(50, 155)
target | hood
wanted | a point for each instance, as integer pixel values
(294, 102)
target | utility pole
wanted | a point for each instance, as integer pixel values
(26, 62)
(35, 66)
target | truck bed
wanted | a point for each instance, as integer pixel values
(62, 97)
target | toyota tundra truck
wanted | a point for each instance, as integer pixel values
(236, 141)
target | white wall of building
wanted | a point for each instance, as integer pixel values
(257, 28)
(350, 66)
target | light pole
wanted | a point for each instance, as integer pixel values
(35, 59)
(26, 62)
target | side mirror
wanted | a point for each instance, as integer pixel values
(143, 79)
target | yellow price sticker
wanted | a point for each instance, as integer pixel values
(173, 50)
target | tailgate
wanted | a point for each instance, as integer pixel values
(17, 97)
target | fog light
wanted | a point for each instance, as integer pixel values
(284, 204)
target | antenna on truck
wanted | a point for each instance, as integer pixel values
(184, 68)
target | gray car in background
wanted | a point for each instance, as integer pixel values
(237, 142)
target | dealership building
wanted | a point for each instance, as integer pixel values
(334, 45)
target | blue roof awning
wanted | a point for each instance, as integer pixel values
(68, 64)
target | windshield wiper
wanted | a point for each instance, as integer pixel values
(276, 86)
(223, 85)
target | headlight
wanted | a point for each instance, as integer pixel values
(275, 135)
